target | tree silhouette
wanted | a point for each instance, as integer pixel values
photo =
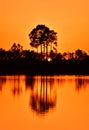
(16, 47)
(17, 90)
(2, 82)
(2, 54)
(43, 98)
(81, 83)
(80, 55)
(42, 36)
(16, 50)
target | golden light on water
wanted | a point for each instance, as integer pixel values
(44, 102)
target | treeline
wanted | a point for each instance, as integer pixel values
(19, 61)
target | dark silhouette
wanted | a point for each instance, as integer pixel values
(46, 62)
(43, 96)
(2, 82)
(16, 90)
(29, 83)
(42, 36)
(81, 83)
(19, 61)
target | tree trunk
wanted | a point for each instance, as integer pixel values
(46, 51)
(37, 50)
(41, 52)
(51, 47)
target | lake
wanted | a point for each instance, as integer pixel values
(44, 102)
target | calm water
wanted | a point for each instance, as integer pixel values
(44, 103)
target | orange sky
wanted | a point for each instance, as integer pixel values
(70, 18)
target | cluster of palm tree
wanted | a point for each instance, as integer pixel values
(44, 37)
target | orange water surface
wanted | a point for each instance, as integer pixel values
(44, 102)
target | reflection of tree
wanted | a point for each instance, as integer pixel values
(60, 81)
(2, 82)
(16, 89)
(43, 97)
(81, 83)
(29, 82)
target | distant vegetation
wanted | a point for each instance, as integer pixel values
(46, 60)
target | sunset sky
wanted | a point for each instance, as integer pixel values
(69, 18)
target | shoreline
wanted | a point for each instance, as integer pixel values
(20, 67)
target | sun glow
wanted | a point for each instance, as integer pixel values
(70, 19)
(49, 59)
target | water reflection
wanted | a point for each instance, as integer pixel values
(16, 89)
(57, 97)
(81, 83)
(43, 96)
(29, 82)
(42, 90)
(2, 82)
